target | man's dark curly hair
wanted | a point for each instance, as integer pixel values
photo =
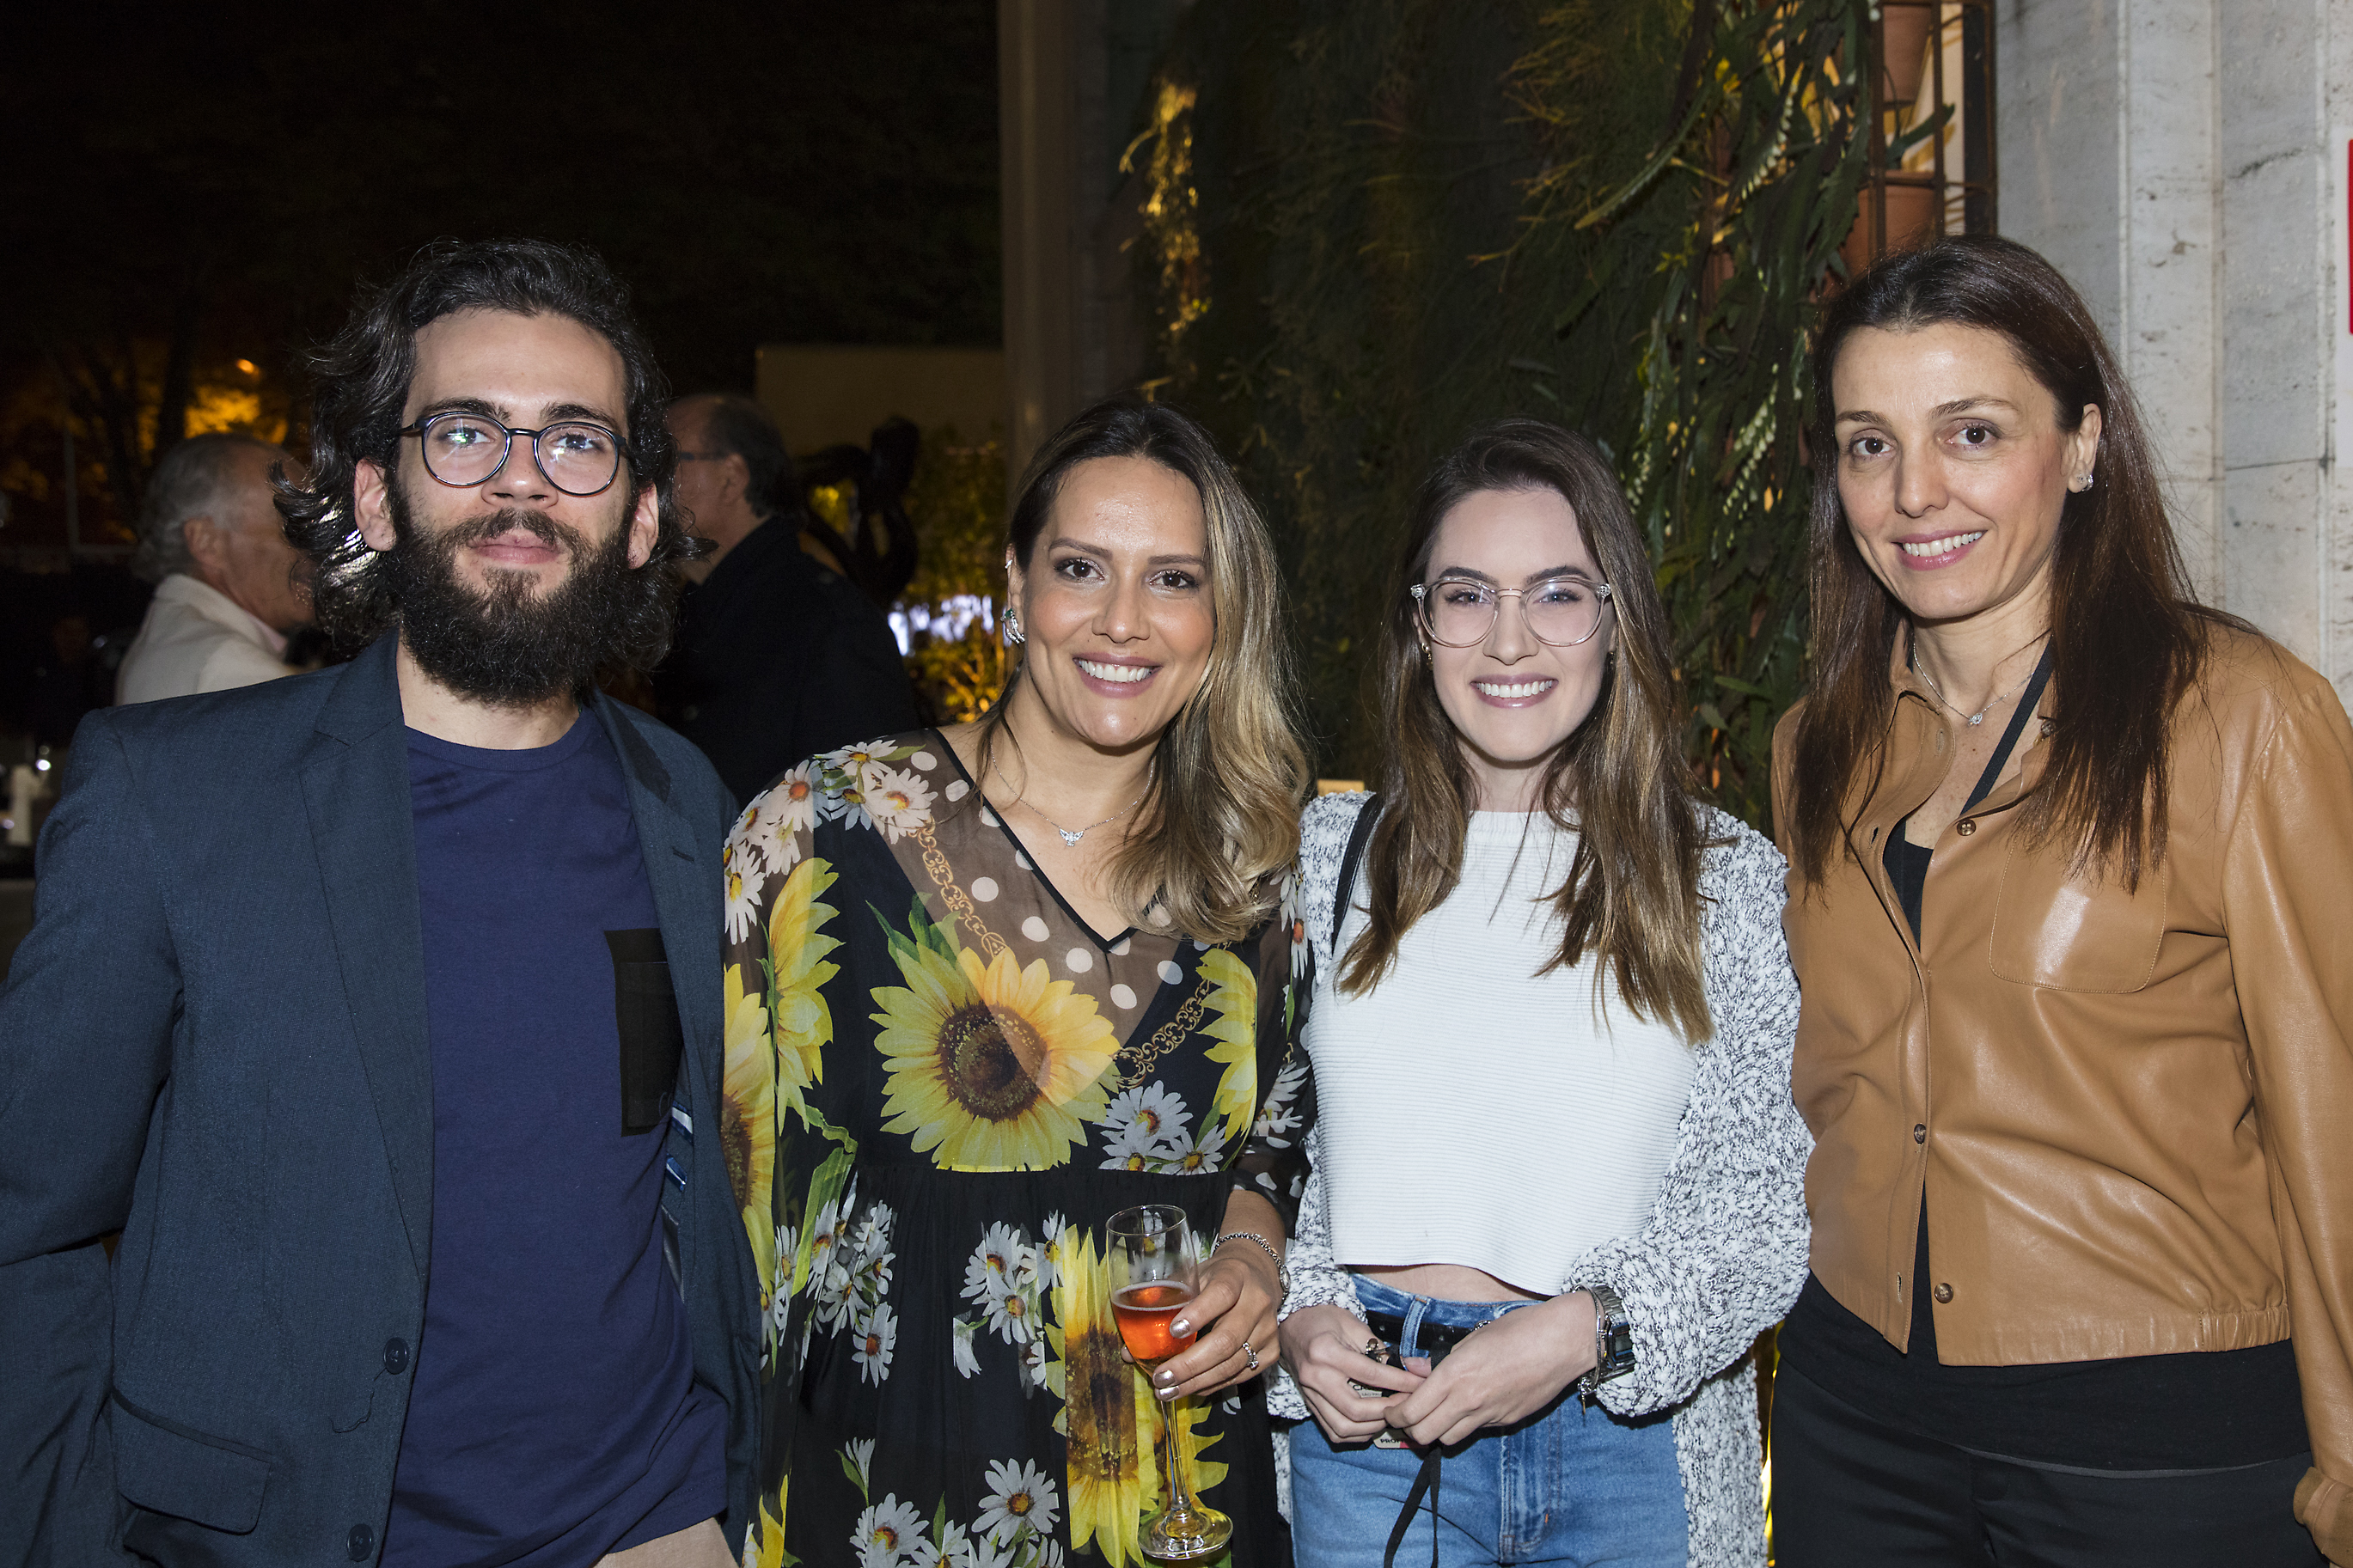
(360, 380)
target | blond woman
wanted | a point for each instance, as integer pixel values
(989, 986)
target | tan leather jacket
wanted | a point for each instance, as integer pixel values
(2132, 1115)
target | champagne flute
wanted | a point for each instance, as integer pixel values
(1151, 1251)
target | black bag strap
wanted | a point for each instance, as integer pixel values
(2027, 703)
(1367, 816)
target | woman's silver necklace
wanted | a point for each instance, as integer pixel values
(1975, 718)
(1070, 836)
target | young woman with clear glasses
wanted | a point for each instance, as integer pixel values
(1555, 1193)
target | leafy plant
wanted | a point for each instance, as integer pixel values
(951, 607)
(1768, 160)
(1367, 233)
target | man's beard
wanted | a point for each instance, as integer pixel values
(506, 646)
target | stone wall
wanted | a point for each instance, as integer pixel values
(2184, 162)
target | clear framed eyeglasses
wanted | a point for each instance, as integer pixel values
(1459, 612)
(464, 449)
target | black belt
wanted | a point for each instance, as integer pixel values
(1434, 1340)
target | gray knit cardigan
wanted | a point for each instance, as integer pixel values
(1723, 1253)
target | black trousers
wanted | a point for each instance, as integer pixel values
(1850, 1492)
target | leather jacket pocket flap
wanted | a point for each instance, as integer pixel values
(2074, 933)
(167, 1468)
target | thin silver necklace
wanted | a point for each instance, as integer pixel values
(1070, 836)
(1977, 718)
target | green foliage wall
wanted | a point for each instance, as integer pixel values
(1375, 225)
(956, 501)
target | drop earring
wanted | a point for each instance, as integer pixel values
(1014, 635)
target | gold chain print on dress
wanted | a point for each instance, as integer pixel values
(959, 903)
(1139, 1059)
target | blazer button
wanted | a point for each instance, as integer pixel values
(1965, 827)
(1920, 1132)
(1943, 1293)
(396, 1356)
(363, 1543)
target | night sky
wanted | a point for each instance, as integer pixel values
(215, 178)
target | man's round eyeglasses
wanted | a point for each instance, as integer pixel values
(464, 449)
(1461, 612)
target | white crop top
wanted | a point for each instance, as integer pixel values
(1474, 1111)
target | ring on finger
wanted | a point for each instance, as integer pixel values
(1249, 1356)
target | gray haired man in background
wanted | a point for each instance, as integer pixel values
(227, 583)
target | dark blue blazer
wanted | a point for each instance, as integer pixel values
(214, 1041)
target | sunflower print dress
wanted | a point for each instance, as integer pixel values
(940, 1084)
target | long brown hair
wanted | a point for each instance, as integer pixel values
(1219, 823)
(2126, 637)
(1619, 782)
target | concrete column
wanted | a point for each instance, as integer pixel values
(2170, 260)
(1038, 126)
(2280, 560)
(2336, 56)
(2108, 134)
(1072, 76)
(2058, 119)
(2177, 160)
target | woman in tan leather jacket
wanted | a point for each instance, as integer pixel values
(2068, 904)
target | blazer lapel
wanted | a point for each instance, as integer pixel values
(355, 785)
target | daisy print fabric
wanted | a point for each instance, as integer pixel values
(940, 1084)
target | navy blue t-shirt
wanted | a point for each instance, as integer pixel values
(555, 1416)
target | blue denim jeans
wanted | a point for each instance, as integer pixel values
(1569, 1485)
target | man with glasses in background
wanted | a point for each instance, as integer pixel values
(378, 1009)
(778, 657)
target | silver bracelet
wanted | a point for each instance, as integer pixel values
(1282, 1275)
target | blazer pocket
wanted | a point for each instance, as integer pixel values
(165, 1467)
(645, 1011)
(2080, 932)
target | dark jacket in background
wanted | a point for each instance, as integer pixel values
(778, 659)
(213, 1040)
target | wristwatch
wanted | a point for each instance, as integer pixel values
(1613, 1341)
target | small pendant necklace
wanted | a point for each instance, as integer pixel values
(1070, 836)
(1977, 718)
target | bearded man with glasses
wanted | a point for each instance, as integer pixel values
(377, 1009)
